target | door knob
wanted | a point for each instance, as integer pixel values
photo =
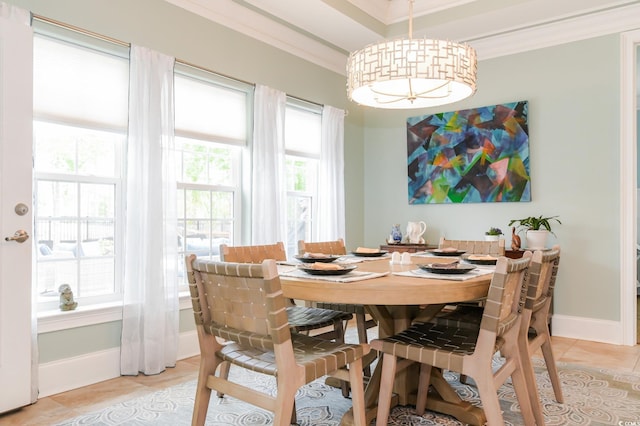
(20, 236)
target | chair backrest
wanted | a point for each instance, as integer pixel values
(543, 272)
(239, 302)
(252, 254)
(326, 247)
(475, 246)
(507, 294)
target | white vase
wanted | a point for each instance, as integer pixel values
(537, 240)
(491, 237)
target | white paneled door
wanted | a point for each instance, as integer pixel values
(15, 186)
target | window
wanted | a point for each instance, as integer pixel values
(80, 129)
(211, 134)
(303, 127)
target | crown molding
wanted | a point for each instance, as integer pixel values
(566, 31)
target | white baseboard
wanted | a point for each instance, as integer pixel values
(604, 331)
(72, 373)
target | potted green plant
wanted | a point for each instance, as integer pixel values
(493, 234)
(537, 229)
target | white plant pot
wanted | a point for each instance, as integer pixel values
(492, 237)
(537, 240)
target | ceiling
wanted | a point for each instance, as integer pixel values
(325, 31)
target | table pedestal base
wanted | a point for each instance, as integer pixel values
(445, 400)
(442, 399)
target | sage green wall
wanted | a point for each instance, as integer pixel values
(574, 157)
(75, 341)
(72, 342)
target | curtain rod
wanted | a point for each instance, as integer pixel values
(122, 43)
(79, 30)
(189, 64)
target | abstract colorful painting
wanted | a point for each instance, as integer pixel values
(475, 155)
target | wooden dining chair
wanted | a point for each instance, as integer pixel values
(465, 350)
(302, 319)
(338, 248)
(538, 331)
(495, 248)
(242, 305)
(534, 332)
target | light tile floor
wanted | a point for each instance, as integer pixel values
(65, 405)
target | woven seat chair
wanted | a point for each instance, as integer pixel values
(302, 319)
(241, 319)
(465, 350)
(337, 247)
(495, 248)
(535, 321)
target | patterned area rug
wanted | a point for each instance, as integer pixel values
(592, 397)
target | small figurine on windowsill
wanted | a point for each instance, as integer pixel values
(66, 298)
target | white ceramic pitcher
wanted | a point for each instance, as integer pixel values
(415, 230)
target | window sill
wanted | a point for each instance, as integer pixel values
(56, 320)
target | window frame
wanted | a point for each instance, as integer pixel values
(239, 147)
(81, 41)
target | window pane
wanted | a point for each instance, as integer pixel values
(98, 200)
(55, 148)
(56, 199)
(51, 273)
(299, 221)
(208, 222)
(302, 131)
(67, 149)
(302, 174)
(206, 162)
(97, 277)
(198, 204)
(75, 249)
(210, 110)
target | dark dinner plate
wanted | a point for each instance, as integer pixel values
(488, 261)
(313, 271)
(374, 254)
(440, 269)
(309, 259)
(440, 252)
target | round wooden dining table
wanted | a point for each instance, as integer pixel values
(394, 301)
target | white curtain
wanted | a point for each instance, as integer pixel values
(150, 312)
(268, 180)
(331, 204)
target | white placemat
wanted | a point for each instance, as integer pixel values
(346, 278)
(419, 273)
